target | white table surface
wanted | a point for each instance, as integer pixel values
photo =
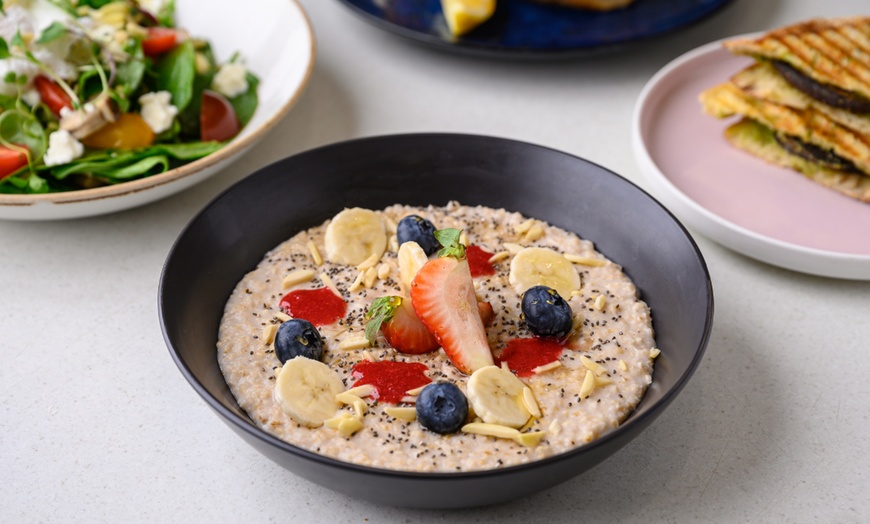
(97, 424)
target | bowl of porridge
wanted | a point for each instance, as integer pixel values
(462, 320)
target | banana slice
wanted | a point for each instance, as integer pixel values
(411, 259)
(496, 395)
(354, 235)
(306, 390)
(535, 266)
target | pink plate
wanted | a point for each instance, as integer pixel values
(772, 214)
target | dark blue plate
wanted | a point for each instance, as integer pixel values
(527, 28)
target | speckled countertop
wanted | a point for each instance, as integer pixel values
(98, 425)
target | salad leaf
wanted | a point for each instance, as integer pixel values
(128, 75)
(8, 101)
(246, 103)
(167, 14)
(52, 32)
(189, 118)
(176, 73)
(24, 181)
(189, 150)
(128, 164)
(18, 127)
(120, 168)
(96, 4)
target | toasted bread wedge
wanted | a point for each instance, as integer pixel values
(830, 51)
(758, 140)
(595, 5)
(807, 125)
(761, 81)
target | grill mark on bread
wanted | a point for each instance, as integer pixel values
(820, 49)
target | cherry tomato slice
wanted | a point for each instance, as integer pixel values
(159, 41)
(52, 94)
(217, 118)
(11, 161)
(129, 131)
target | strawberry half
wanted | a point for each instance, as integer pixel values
(396, 319)
(442, 294)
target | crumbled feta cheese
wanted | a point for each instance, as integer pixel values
(230, 79)
(62, 148)
(157, 111)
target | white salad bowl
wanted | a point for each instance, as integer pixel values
(277, 43)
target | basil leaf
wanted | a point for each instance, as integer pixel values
(246, 103)
(52, 32)
(176, 73)
(4, 49)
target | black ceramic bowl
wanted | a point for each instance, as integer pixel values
(231, 235)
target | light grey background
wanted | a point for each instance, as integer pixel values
(97, 424)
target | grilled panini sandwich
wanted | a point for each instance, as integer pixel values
(805, 102)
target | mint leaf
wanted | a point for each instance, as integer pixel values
(449, 238)
(382, 310)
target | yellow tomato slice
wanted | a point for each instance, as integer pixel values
(129, 131)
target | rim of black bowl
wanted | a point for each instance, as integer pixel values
(249, 427)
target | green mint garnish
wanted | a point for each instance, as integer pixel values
(449, 239)
(382, 310)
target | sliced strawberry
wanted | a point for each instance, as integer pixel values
(486, 313)
(406, 333)
(443, 296)
(395, 318)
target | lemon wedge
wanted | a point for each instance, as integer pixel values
(464, 15)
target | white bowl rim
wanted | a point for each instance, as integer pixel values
(225, 153)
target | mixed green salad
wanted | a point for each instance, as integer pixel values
(98, 92)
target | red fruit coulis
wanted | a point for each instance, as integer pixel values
(525, 354)
(391, 379)
(318, 306)
(478, 261)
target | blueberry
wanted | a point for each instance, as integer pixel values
(417, 229)
(442, 408)
(546, 313)
(298, 338)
